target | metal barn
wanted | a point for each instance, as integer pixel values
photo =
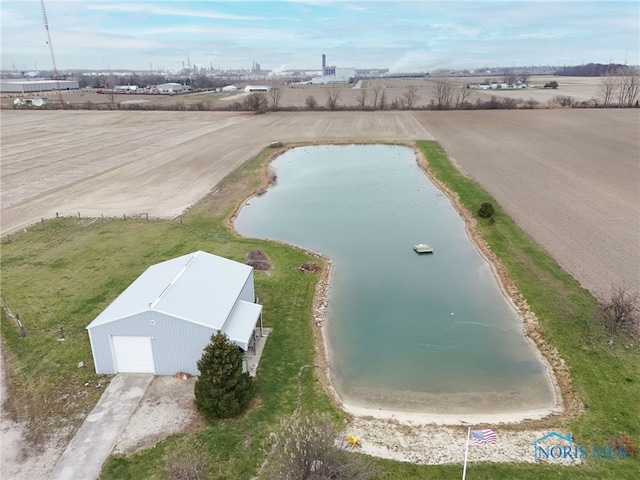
(162, 322)
(26, 86)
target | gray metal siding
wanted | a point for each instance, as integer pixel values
(247, 294)
(37, 86)
(177, 344)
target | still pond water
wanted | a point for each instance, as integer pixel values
(429, 333)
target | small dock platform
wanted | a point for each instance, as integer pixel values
(423, 248)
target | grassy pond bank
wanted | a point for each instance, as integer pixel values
(65, 271)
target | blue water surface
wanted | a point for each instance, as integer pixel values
(429, 333)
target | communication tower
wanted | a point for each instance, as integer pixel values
(53, 58)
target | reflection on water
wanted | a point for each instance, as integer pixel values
(430, 333)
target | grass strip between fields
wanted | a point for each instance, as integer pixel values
(64, 272)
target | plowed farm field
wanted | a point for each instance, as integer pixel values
(570, 178)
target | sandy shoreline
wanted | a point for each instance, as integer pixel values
(441, 445)
(418, 418)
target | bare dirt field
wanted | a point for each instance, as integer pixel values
(569, 177)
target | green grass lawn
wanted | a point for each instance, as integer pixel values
(64, 272)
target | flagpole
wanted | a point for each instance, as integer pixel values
(466, 453)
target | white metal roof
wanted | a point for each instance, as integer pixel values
(198, 287)
(237, 328)
(26, 86)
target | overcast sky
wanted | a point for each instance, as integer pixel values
(402, 36)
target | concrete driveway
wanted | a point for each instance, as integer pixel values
(84, 456)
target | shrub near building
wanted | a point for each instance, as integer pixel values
(222, 390)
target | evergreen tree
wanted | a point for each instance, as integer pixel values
(222, 390)
(486, 210)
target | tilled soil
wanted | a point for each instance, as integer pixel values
(568, 177)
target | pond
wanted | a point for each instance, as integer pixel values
(429, 333)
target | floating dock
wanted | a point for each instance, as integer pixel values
(423, 248)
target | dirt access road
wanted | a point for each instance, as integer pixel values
(571, 178)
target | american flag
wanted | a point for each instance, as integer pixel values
(486, 435)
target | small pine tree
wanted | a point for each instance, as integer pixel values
(486, 210)
(222, 390)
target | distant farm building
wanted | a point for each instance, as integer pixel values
(335, 75)
(125, 89)
(28, 86)
(168, 88)
(229, 88)
(496, 85)
(256, 88)
(162, 322)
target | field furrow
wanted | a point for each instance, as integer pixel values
(570, 178)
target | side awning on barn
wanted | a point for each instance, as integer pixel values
(241, 323)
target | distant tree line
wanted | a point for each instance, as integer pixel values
(591, 70)
(198, 82)
(618, 88)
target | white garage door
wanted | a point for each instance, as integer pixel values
(133, 354)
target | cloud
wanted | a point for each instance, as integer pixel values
(278, 70)
(151, 9)
(417, 61)
(414, 35)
